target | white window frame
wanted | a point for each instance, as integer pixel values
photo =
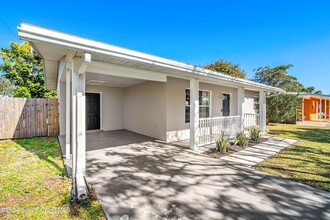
(209, 106)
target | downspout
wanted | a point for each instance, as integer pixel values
(81, 186)
(81, 140)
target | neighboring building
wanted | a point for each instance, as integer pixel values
(105, 87)
(314, 107)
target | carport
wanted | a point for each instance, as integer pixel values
(145, 94)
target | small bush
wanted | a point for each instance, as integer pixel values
(254, 133)
(222, 143)
(241, 139)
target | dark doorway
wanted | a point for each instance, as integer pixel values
(226, 105)
(92, 111)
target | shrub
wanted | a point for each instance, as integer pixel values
(282, 108)
(222, 143)
(254, 133)
(241, 139)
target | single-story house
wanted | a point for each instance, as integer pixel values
(105, 87)
(314, 107)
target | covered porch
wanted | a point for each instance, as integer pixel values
(314, 110)
(141, 93)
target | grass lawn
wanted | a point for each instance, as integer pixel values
(33, 183)
(307, 161)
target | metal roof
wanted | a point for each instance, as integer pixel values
(53, 45)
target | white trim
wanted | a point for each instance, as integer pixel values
(34, 33)
(210, 106)
(123, 71)
(101, 110)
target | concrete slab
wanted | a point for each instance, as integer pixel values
(253, 155)
(155, 180)
(97, 139)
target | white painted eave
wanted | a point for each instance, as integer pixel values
(34, 33)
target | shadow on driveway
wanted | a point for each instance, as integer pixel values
(154, 180)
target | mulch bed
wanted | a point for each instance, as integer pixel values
(231, 149)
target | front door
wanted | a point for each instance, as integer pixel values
(92, 111)
(226, 105)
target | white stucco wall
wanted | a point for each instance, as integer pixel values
(112, 106)
(177, 129)
(249, 101)
(153, 108)
(145, 109)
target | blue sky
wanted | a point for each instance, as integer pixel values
(252, 33)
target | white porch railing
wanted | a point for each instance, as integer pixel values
(251, 119)
(210, 128)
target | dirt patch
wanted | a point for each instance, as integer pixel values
(232, 148)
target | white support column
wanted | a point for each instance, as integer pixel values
(80, 126)
(325, 109)
(262, 108)
(320, 111)
(67, 114)
(240, 105)
(302, 110)
(73, 119)
(194, 114)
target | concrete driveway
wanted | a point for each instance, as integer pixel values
(153, 180)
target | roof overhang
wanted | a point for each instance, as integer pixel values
(310, 95)
(53, 46)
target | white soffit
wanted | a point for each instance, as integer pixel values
(109, 80)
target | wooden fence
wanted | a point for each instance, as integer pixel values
(32, 117)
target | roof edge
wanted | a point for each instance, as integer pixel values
(33, 33)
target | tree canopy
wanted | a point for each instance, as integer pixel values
(311, 90)
(23, 67)
(6, 87)
(278, 76)
(281, 108)
(226, 67)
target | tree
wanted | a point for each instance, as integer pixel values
(23, 67)
(282, 108)
(227, 67)
(6, 87)
(311, 90)
(278, 77)
(22, 92)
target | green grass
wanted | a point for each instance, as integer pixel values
(33, 183)
(307, 161)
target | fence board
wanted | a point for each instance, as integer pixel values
(23, 118)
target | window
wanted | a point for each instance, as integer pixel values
(256, 105)
(204, 105)
(313, 105)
